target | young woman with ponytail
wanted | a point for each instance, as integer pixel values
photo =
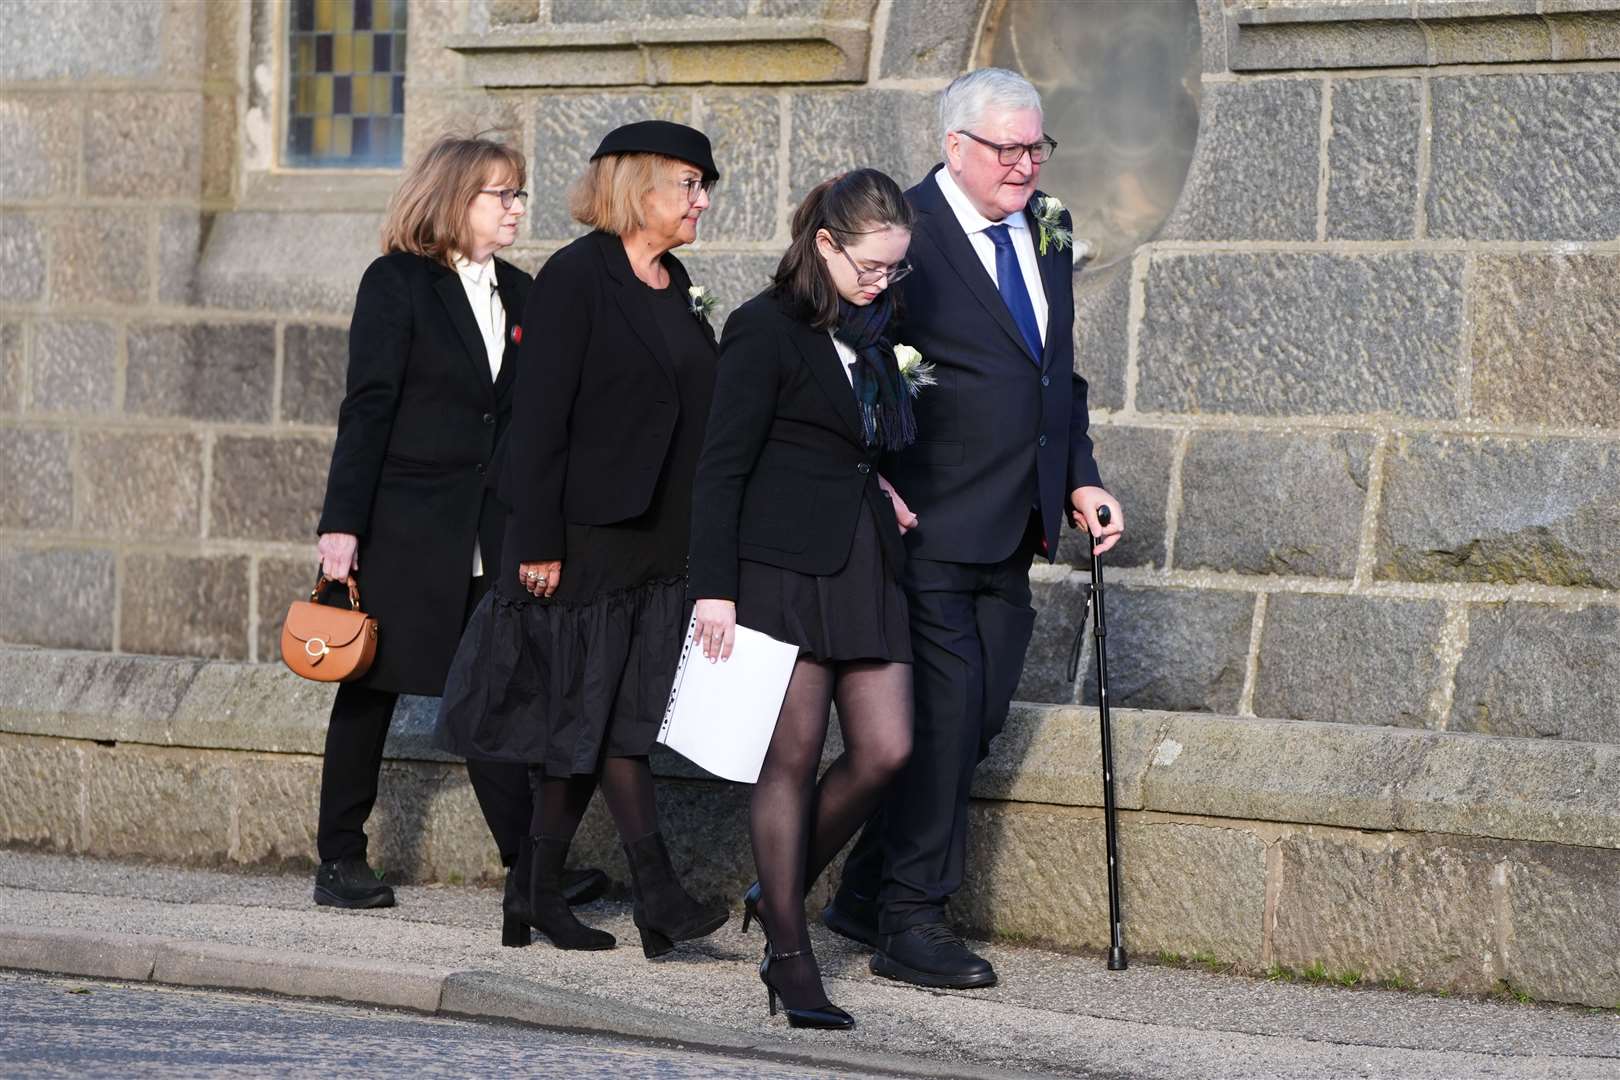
(795, 534)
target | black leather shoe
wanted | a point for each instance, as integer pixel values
(932, 955)
(853, 916)
(350, 883)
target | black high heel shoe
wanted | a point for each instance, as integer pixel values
(828, 1017)
(751, 900)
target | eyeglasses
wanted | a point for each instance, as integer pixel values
(1010, 153)
(507, 195)
(692, 186)
(872, 277)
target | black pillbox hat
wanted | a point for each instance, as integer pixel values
(661, 137)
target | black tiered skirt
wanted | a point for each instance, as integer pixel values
(858, 613)
(565, 682)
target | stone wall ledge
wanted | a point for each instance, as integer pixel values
(1419, 34)
(656, 53)
(1346, 775)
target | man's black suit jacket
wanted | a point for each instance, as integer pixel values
(1001, 434)
(784, 470)
(417, 431)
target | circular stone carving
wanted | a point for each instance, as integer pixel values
(1119, 81)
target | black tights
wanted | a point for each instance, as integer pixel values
(798, 825)
(627, 785)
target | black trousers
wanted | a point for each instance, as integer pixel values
(970, 629)
(354, 750)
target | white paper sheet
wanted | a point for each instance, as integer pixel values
(721, 715)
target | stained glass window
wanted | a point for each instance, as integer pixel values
(345, 83)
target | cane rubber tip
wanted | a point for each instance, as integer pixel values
(1104, 515)
(1116, 959)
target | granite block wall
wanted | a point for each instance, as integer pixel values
(1360, 396)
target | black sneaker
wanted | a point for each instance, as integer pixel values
(853, 916)
(350, 883)
(932, 955)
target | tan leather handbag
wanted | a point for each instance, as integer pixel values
(328, 644)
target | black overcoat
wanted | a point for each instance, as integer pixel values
(597, 397)
(420, 423)
(1003, 432)
(784, 469)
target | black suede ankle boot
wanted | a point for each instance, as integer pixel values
(548, 908)
(665, 912)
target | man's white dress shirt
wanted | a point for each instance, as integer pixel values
(974, 224)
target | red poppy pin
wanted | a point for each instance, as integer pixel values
(517, 334)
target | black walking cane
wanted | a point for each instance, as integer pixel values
(1117, 960)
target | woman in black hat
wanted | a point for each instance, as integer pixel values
(567, 664)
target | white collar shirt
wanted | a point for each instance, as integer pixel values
(974, 224)
(483, 294)
(478, 279)
(846, 357)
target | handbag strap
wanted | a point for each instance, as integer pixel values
(322, 581)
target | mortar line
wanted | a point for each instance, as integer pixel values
(1451, 647)
(118, 602)
(253, 608)
(25, 370)
(1133, 326)
(1367, 546)
(1273, 899)
(206, 495)
(880, 32)
(1173, 497)
(1251, 664)
(1323, 167)
(278, 365)
(1453, 70)
(1472, 591)
(1501, 918)
(1465, 344)
(1425, 151)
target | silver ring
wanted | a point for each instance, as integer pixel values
(540, 578)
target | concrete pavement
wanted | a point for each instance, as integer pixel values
(438, 952)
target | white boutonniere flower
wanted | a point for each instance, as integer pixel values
(700, 302)
(916, 371)
(1049, 221)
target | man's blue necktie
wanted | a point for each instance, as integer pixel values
(1010, 282)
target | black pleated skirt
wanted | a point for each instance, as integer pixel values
(858, 613)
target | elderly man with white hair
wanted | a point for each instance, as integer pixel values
(1002, 456)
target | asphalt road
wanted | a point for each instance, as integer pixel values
(52, 1027)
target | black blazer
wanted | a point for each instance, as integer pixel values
(595, 396)
(1003, 431)
(783, 470)
(419, 425)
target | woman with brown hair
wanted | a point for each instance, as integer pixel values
(567, 665)
(795, 534)
(429, 394)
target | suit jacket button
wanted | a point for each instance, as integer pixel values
(1046, 380)
(1041, 441)
(479, 468)
(864, 467)
(489, 418)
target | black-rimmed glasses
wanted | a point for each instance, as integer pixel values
(1010, 153)
(507, 195)
(872, 277)
(692, 186)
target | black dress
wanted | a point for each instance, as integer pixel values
(563, 682)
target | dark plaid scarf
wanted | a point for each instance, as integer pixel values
(887, 421)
